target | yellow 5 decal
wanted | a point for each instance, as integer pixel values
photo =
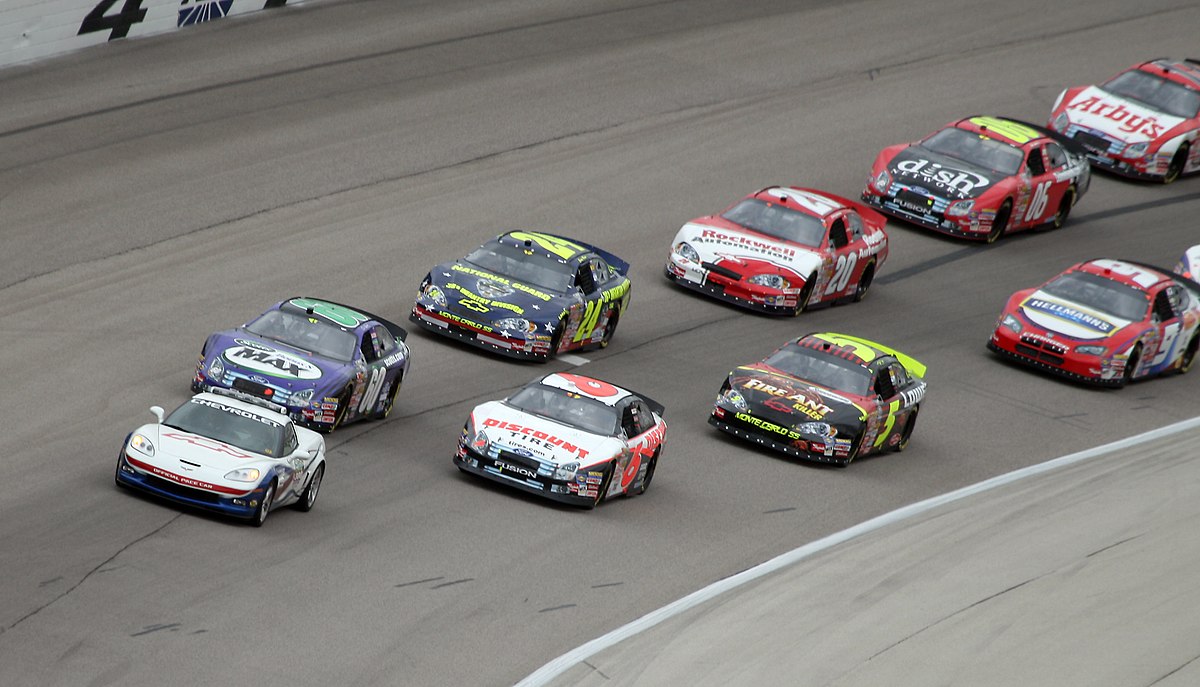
(591, 316)
(560, 247)
(864, 352)
(887, 426)
(1018, 133)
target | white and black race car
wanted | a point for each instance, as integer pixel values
(225, 452)
(567, 437)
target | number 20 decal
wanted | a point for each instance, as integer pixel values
(841, 273)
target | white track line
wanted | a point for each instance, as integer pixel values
(575, 360)
(560, 665)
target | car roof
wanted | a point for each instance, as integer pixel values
(548, 245)
(1011, 131)
(596, 389)
(855, 351)
(1129, 273)
(805, 200)
(1185, 72)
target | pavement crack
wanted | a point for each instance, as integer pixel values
(1179, 668)
(93, 571)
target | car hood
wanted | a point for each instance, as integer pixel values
(485, 297)
(1069, 319)
(792, 402)
(197, 461)
(273, 362)
(747, 253)
(941, 176)
(533, 436)
(1123, 119)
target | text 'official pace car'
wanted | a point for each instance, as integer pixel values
(1106, 322)
(981, 177)
(526, 295)
(1142, 123)
(327, 363)
(566, 437)
(225, 452)
(824, 397)
(780, 250)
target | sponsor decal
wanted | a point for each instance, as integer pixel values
(236, 411)
(393, 359)
(209, 444)
(502, 466)
(255, 356)
(959, 182)
(911, 397)
(768, 426)
(1071, 315)
(490, 289)
(806, 401)
(537, 436)
(756, 245)
(479, 303)
(542, 295)
(1129, 122)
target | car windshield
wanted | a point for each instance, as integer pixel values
(975, 149)
(302, 332)
(775, 220)
(228, 424)
(1100, 293)
(532, 269)
(1161, 94)
(821, 368)
(568, 408)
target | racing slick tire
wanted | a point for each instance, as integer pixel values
(604, 484)
(309, 498)
(1175, 167)
(649, 474)
(1189, 355)
(806, 293)
(1064, 210)
(908, 429)
(864, 282)
(264, 506)
(1135, 357)
(610, 329)
(1000, 223)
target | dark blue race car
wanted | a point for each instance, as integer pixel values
(326, 363)
(526, 295)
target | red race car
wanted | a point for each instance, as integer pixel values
(980, 177)
(1141, 123)
(780, 250)
(1106, 322)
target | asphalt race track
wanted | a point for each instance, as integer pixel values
(155, 190)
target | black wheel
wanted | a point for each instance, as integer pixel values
(1175, 168)
(649, 474)
(264, 506)
(612, 467)
(610, 329)
(806, 293)
(864, 283)
(1135, 356)
(309, 498)
(1189, 355)
(908, 430)
(1064, 209)
(1000, 223)
(391, 399)
(556, 339)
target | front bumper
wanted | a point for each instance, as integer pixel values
(235, 505)
(582, 491)
(795, 447)
(1061, 362)
(448, 324)
(964, 229)
(725, 289)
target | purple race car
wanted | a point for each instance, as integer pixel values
(326, 363)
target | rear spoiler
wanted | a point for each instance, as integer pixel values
(396, 330)
(616, 263)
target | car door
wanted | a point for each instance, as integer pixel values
(847, 247)
(890, 378)
(292, 480)
(596, 282)
(1045, 191)
(374, 372)
(645, 436)
(1166, 316)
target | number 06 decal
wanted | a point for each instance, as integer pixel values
(591, 387)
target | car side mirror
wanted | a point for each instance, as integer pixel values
(158, 413)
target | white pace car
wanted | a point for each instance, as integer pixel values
(566, 437)
(1189, 264)
(225, 452)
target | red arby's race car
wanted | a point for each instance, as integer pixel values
(780, 250)
(1106, 322)
(1141, 123)
(981, 177)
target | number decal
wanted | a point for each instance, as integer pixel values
(371, 395)
(131, 13)
(591, 387)
(1017, 133)
(470, 304)
(334, 313)
(841, 273)
(1137, 274)
(563, 249)
(1037, 206)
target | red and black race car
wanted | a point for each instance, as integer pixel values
(780, 250)
(981, 177)
(825, 397)
(1105, 322)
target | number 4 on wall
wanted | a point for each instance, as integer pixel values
(131, 13)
